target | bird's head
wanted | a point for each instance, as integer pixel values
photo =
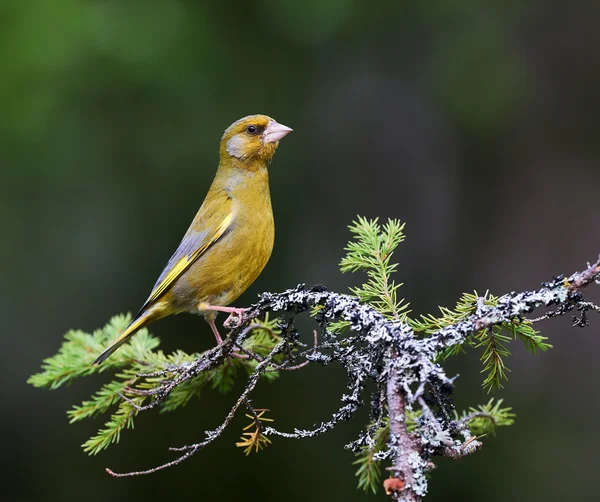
(253, 138)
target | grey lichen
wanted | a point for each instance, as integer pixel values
(402, 365)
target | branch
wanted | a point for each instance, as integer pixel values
(385, 351)
(408, 465)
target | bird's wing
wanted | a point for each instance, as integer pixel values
(213, 220)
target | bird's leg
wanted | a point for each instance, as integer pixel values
(210, 319)
(232, 311)
(215, 330)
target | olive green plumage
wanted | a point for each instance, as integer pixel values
(230, 240)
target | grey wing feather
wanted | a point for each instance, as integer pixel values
(191, 241)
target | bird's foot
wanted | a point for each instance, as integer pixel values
(235, 314)
(236, 353)
(234, 319)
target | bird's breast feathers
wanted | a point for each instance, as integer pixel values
(230, 265)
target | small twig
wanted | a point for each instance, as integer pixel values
(214, 434)
(253, 412)
(344, 413)
(589, 306)
(284, 366)
(133, 404)
(471, 445)
(386, 352)
(476, 414)
(248, 353)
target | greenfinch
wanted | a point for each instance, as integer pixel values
(230, 239)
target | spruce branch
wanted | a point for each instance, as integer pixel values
(408, 365)
(494, 341)
(371, 251)
(486, 418)
(122, 419)
(252, 437)
(369, 471)
(494, 353)
(368, 334)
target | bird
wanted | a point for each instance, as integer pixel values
(230, 239)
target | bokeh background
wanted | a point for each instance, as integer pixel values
(477, 123)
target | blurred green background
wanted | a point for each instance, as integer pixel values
(477, 123)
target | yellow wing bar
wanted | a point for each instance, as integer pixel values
(184, 263)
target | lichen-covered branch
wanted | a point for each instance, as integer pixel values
(369, 334)
(403, 365)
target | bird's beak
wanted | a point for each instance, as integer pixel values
(275, 131)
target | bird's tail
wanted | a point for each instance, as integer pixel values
(141, 320)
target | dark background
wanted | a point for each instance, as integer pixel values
(474, 122)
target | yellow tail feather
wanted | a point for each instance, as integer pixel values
(135, 325)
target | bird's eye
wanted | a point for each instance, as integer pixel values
(252, 129)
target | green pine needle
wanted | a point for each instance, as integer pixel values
(371, 252)
(111, 433)
(369, 471)
(106, 397)
(79, 350)
(486, 418)
(494, 341)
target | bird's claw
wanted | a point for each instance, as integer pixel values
(234, 319)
